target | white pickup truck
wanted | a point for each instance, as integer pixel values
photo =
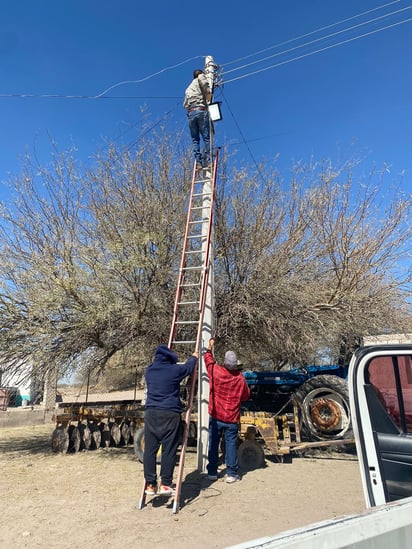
(380, 389)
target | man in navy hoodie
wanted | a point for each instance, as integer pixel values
(162, 416)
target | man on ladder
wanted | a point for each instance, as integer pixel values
(163, 416)
(197, 98)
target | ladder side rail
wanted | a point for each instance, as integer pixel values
(142, 499)
(205, 276)
(207, 248)
(206, 264)
(188, 413)
(182, 261)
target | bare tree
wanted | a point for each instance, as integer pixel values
(306, 266)
(89, 259)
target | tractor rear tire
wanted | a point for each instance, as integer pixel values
(324, 403)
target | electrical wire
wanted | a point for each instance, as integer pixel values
(318, 39)
(103, 95)
(309, 33)
(58, 96)
(244, 141)
(147, 77)
(317, 51)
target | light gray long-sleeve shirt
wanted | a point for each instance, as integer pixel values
(196, 93)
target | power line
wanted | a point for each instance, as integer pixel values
(244, 141)
(103, 95)
(318, 39)
(61, 96)
(147, 77)
(308, 33)
(317, 51)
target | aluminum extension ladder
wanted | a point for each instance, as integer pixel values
(188, 312)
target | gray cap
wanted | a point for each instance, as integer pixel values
(230, 360)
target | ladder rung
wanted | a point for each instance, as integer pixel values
(193, 251)
(188, 302)
(203, 194)
(190, 285)
(187, 322)
(194, 268)
(184, 342)
(198, 221)
(196, 236)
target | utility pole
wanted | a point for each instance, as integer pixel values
(208, 318)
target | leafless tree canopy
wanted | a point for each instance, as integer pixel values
(89, 259)
(306, 266)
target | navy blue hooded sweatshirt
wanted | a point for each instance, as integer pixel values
(163, 379)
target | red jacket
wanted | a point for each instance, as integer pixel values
(228, 389)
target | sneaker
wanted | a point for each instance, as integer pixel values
(166, 491)
(232, 478)
(211, 477)
(151, 490)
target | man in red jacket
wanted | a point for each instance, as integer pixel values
(228, 389)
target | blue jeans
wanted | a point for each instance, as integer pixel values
(230, 430)
(199, 125)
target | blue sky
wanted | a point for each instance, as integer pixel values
(350, 99)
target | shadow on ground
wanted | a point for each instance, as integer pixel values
(26, 441)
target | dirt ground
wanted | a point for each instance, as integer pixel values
(89, 499)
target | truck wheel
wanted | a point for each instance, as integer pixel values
(250, 455)
(138, 444)
(324, 402)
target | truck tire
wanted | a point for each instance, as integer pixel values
(324, 403)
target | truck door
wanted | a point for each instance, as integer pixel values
(380, 389)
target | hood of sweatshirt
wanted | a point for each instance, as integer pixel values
(164, 353)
